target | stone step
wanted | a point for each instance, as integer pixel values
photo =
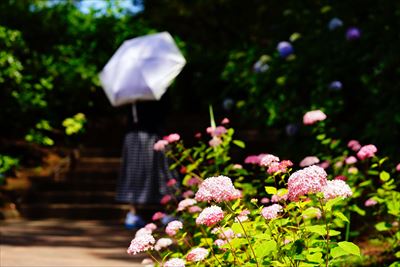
(75, 211)
(92, 176)
(76, 185)
(72, 197)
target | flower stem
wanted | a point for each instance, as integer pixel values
(211, 249)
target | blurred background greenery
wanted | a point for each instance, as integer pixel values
(52, 51)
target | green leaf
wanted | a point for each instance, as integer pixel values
(318, 229)
(264, 248)
(350, 247)
(338, 252)
(270, 190)
(239, 143)
(316, 257)
(341, 216)
(357, 209)
(384, 176)
(332, 203)
(383, 226)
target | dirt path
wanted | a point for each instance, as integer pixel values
(65, 243)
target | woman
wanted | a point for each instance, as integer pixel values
(144, 172)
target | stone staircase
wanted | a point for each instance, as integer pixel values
(86, 193)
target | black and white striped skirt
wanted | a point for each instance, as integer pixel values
(144, 172)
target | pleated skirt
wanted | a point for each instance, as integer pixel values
(144, 171)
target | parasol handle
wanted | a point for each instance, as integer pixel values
(134, 114)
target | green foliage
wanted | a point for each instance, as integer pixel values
(7, 164)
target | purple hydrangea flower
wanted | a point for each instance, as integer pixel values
(285, 49)
(353, 34)
(291, 129)
(335, 85)
(334, 24)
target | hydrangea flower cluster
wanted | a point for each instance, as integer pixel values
(271, 212)
(174, 137)
(354, 145)
(285, 49)
(217, 189)
(282, 166)
(367, 151)
(370, 202)
(151, 226)
(173, 227)
(141, 243)
(350, 160)
(268, 159)
(276, 198)
(308, 161)
(242, 217)
(163, 243)
(197, 254)
(174, 262)
(160, 145)
(158, 216)
(210, 216)
(143, 231)
(336, 188)
(308, 180)
(314, 116)
(183, 204)
(216, 131)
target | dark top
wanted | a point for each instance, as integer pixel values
(151, 116)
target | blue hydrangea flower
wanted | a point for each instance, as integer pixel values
(292, 129)
(334, 24)
(353, 34)
(228, 103)
(260, 67)
(285, 49)
(335, 85)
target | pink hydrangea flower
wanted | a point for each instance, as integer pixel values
(308, 180)
(171, 182)
(158, 215)
(367, 151)
(253, 159)
(141, 243)
(165, 199)
(267, 159)
(188, 194)
(237, 166)
(160, 145)
(336, 188)
(197, 254)
(225, 121)
(271, 212)
(314, 116)
(308, 161)
(216, 131)
(350, 160)
(341, 177)
(398, 167)
(282, 166)
(151, 226)
(143, 231)
(370, 202)
(163, 243)
(220, 242)
(183, 204)
(354, 145)
(217, 189)
(227, 234)
(193, 181)
(210, 216)
(174, 137)
(194, 209)
(242, 217)
(215, 141)
(324, 165)
(265, 200)
(173, 227)
(275, 198)
(197, 135)
(174, 262)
